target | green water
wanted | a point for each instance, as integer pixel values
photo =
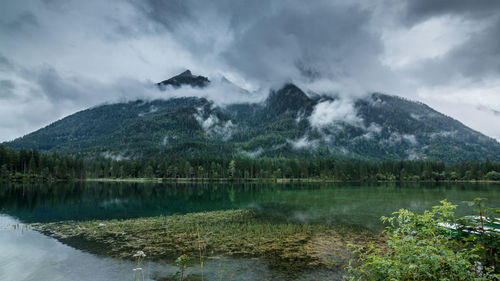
(358, 204)
(29, 255)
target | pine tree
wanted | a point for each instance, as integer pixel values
(232, 168)
(4, 172)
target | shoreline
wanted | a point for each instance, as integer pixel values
(267, 180)
(239, 180)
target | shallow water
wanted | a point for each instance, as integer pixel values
(28, 255)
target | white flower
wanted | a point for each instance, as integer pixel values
(139, 254)
(101, 224)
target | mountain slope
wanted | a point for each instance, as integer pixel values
(289, 123)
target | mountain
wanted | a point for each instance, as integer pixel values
(186, 78)
(289, 123)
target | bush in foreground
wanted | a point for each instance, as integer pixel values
(425, 247)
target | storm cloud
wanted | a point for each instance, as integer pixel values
(58, 57)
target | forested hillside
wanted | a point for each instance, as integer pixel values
(290, 123)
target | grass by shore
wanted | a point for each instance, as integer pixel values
(240, 233)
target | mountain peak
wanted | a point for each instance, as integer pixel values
(186, 73)
(289, 91)
(185, 78)
(289, 97)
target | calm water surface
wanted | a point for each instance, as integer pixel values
(29, 255)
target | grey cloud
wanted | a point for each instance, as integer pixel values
(79, 92)
(293, 37)
(274, 40)
(55, 87)
(477, 58)
(480, 55)
(175, 13)
(74, 54)
(170, 14)
(488, 109)
(6, 89)
(22, 21)
(418, 10)
(5, 64)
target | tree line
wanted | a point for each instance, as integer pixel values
(36, 166)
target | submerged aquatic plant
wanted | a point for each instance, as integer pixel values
(292, 247)
(139, 255)
(182, 263)
(202, 249)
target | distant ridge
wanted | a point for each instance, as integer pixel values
(289, 123)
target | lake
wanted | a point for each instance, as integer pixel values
(26, 254)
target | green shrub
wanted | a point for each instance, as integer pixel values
(493, 176)
(420, 248)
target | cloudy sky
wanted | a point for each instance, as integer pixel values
(61, 56)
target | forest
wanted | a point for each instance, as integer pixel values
(31, 165)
